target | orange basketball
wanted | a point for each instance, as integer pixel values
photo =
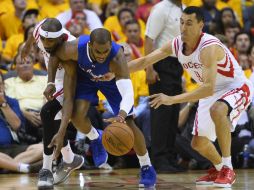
(118, 139)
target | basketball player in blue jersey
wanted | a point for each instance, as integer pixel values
(87, 62)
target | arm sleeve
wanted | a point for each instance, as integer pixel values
(126, 90)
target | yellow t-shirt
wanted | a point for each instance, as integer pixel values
(248, 73)
(140, 86)
(189, 85)
(7, 29)
(12, 45)
(101, 3)
(29, 94)
(49, 10)
(196, 3)
(1, 46)
(7, 6)
(113, 25)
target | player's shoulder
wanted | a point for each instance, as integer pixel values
(207, 39)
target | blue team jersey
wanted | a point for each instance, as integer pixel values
(87, 69)
(91, 68)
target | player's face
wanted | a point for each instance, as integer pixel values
(100, 52)
(50, 44)
(190, 27)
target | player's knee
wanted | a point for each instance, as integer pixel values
(196, 144)
(218, 110)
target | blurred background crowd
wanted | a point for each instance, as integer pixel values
(22, 82)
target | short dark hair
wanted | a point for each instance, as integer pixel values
(51, 25)
(125, 10)
(197, 10)
(241, 33)
(100, 35)
(133, 21)
(30, 12)
(233, 24)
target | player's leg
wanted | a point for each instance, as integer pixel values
(148, 174)
(48, 113)
(225, 113)
(204, 133)
(70, 160)
(82, 122)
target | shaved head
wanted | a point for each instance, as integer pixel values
(100, 36)
(51, 25)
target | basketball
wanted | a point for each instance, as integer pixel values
(118, 139)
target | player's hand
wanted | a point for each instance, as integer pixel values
(119, 119)
(49, 92)
(107, 77)
(57, 142)
(160, 99)
(151, 76)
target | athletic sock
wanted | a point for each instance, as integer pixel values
(144, 160)
(24, 168)
(218, 166)
(47, 161)
(93, 134)
(227, 162)
(67, 153)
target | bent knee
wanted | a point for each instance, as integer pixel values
(218, 110)
(198, 143)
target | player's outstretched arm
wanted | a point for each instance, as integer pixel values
(69, 92)
(155, 56)
(208, 57)
(27, 47)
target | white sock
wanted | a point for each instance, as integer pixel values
(47, 161)
(219, 166)
(144, 160)
(67, 153)
(23, 167)
(93, 134)
(227, 162)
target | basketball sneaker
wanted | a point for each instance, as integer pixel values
(46, 179)
(147, 177)
(226, 178)
(209, 178)
(64, 169)
(100, 156)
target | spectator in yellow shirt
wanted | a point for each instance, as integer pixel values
(12, 44)
(116, 24)
(53, 7)
(134, 38)
(10, 23)
(27, 88)
(7, 6)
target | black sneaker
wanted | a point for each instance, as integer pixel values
(46, 179)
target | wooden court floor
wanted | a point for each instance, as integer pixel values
(121, 179)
